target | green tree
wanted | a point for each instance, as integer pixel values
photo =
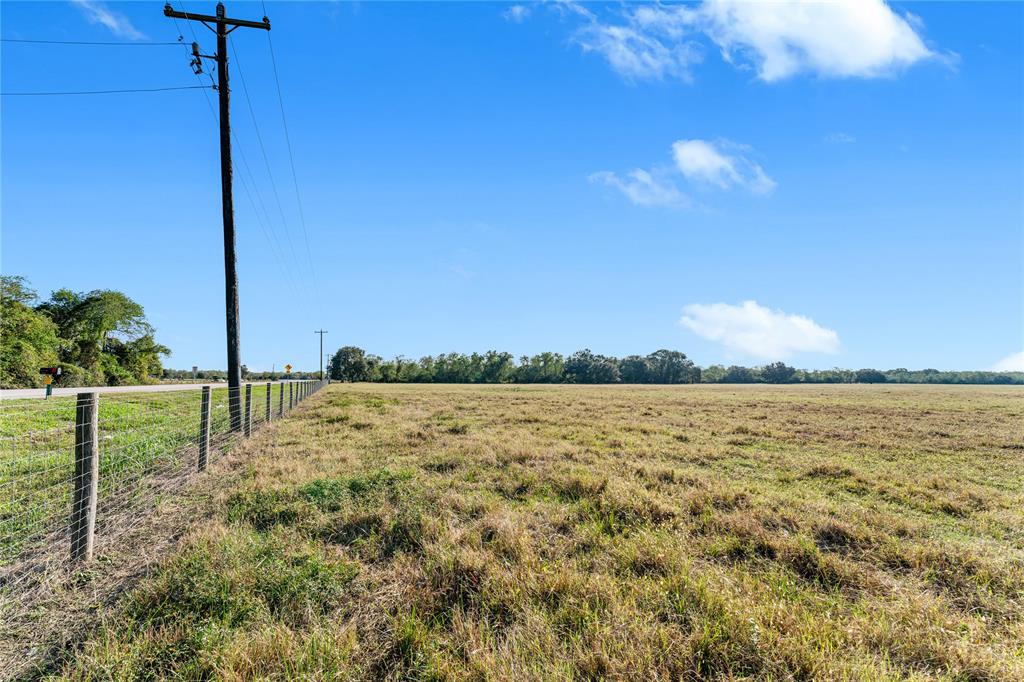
(28, 339)
(584, 367)
(869, 376)
(672, 367)
(349, 363)
(739, 375)
(543, 368)
(497, 368)
(713, 374)
(634, 369)
(778, 373)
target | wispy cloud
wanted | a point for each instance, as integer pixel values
(777, 40)
(718, 164)
(839, 138)
(516, 13)
(722, 164)
(643, 188)
(758, 331)
(117, 23)
(638, 55)
(1011, 363)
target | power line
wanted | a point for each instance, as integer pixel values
(279, 256)
(104, 92)
(291, 159)
(263, 151)
(80, 42)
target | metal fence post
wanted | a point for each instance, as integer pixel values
(247, 417)
(87, 474)
(204, 428)
(269, 416)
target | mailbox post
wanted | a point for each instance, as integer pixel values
(48, 374)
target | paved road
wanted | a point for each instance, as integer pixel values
(13, 393)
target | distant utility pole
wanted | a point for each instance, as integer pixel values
(227, 202)
(321, 333)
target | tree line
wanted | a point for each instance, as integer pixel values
(98, 337)
(102, 337)
(351, 363)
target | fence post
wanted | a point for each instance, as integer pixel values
(280, 402)
(269, 415)
(87, 474)
(204, 428)
(291, 399)
(247, 417)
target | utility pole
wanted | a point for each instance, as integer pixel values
(321, 333)
(222, 22)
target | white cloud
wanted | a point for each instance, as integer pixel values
(828, 38)
(117, 23)
(516, 13)
(839, 38)
(759, 331)
(636, 55)
(840, 138)
(721, 164)
(643, 188)
(1011, 363)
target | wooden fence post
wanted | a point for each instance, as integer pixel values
(291, 399)
(204, 428)
(280, 402)
(247, 417)
(87, 474)
(269, 415)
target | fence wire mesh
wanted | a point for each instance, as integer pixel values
(60, 477)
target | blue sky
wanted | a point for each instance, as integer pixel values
(833, 185)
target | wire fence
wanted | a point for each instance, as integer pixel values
(78, 472)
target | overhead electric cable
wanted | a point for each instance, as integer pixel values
(263, 151)
(279, 255)
(80, 42)
(104, 92)
(291, 159)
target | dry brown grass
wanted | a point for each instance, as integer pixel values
(498, 532)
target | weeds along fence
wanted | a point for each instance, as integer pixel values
(77, 472)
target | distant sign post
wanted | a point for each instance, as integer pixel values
(288, 370)
(48, 374)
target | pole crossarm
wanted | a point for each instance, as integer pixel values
(206, 18)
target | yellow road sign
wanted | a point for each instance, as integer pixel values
(288, 368)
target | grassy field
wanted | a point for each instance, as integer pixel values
(516, 533)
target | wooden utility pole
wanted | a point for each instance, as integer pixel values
(219, 24)
(321, 333)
